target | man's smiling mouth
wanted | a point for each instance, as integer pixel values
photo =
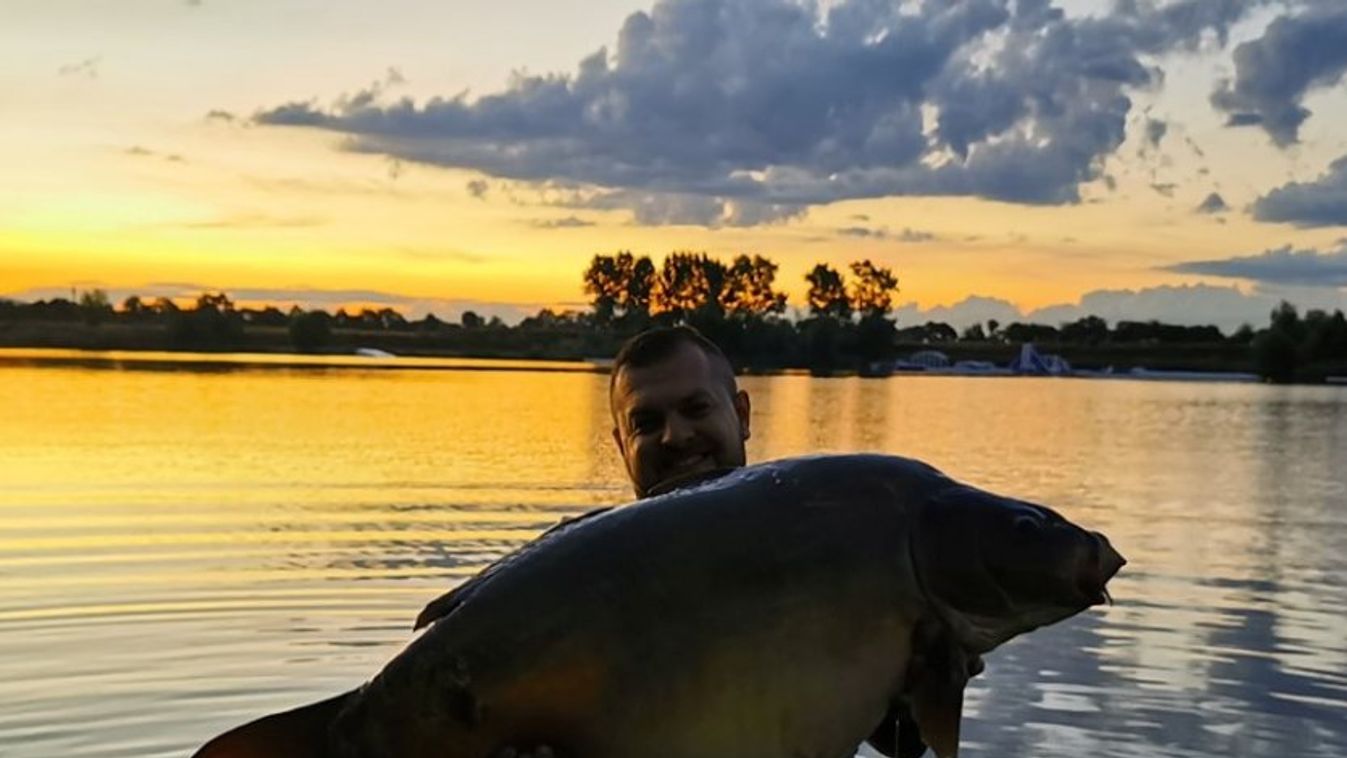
(688, 463)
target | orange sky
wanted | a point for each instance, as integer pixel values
(117, 178)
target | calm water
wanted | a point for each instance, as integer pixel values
(184, 548)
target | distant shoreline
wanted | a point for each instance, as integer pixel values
(459, 348)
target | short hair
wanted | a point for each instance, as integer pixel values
(654, 345)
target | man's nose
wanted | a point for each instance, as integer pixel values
(677, 431)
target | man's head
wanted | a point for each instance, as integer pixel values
(676, 408)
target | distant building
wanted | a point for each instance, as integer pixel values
(1034, 363)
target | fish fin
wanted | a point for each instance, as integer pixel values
(298, 733)
(937, 710)
(909, 743)
(939, 671)
(885, 737)
(445, 604)
(897, 735)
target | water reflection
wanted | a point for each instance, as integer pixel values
(180, 550)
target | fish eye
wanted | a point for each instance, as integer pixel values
(1027, 524)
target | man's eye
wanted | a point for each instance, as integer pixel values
(698, 409)
(644, 424)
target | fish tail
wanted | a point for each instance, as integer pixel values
(298, 733)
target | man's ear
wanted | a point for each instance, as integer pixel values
(742, 408)
(617, 438)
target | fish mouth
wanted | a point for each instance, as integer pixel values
(1104, 563)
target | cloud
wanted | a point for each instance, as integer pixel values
(1322, 202)
(477, 188)
(974, 309)
(743, 112)
(1194, 305)
(87, 67)
(144, 152)
(1155, 131)
(1164, 188)
(1213, 204)
(907, 235)
(253, 221)
(1273, 73)
(860, 231)
(221, 115)
(1283, 266)
(570, 222)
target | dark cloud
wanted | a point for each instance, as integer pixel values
(478, 188)
(221, 115)
(1155, 131)
(1322, 202)
(569, 222)
(1273, 73)
(1213, 203)
(1283, 266)
(740, 112)
(1164, 188)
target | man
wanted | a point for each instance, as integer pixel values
(678, 414)
(677, 411)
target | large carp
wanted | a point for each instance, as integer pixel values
(786, 610)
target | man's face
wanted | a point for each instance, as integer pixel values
(678, 417)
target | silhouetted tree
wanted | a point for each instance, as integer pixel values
(872, 289)
(1090, 330)
(471, 320)
(94, 306)
(974, 333)
(827, 293)
(687, 282)
(620, 285)
(748, 288)
(939, 331)
(1018, 332)
(310, 331)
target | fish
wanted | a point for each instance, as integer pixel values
(792, 608)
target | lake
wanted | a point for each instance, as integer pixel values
(186, 544)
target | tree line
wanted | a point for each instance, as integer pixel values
(847, 323)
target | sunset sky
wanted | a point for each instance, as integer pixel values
(1182, 160)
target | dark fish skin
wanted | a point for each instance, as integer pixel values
(792, 608)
